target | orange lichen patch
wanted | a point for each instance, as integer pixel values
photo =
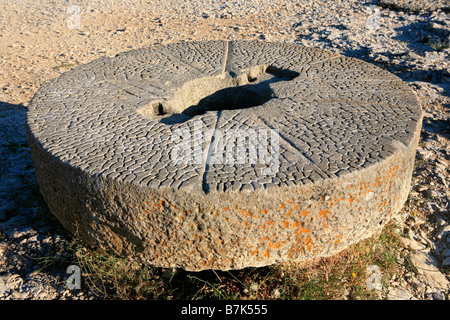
(300, 229)
(277, 245)
(324, 224)
(363, 185)
(295, 225)
(308, 242)
(290, 201)
(281, 206)
(269, 223)
(225, 208)
(304, 213)
(301, 242)
(249, 214)
(285, 223)
(350, 199)
(338, 239)
(264, 211)
(324, 213)
(303, 230)
(267, 253)
(254, 252)
(293, 249)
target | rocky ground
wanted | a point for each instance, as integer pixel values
(41, 39)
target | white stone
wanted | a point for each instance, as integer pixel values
(400, 294)
(427, 266)
(411, 244)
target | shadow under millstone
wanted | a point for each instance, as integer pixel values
(253, 94)
(21, 204)
(16, 166)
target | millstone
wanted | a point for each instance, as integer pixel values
(224, 155)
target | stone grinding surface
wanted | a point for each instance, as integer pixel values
(347, 137)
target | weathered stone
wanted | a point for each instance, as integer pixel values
(427, 266)
(133, 155)
(412, 244)
(443, 232)
(400, 294)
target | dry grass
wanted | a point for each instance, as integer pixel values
(342, 276)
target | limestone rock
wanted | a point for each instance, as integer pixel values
(427, 266)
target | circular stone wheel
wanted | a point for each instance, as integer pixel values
(224, 155)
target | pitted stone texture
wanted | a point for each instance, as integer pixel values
(347, 133)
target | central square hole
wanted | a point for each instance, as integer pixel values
(229, 91)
